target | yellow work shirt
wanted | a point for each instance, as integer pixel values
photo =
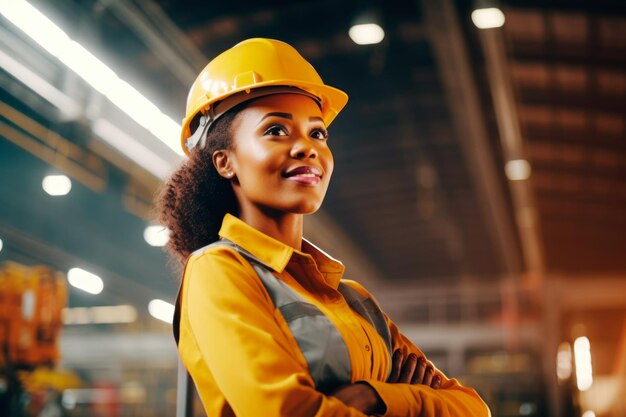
(243, 358)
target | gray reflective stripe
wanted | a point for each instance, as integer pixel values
(319, 340)
(296, 310)
(369, 310)
(317, 337)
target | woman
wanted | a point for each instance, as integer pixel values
(265, 325)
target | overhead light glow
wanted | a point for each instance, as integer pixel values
(161, 310)
(527, 409)
(110, 133)
(114, 314)
(487, 18)
(366, 34)
(102, 78)
(72, 397)
(1, 245)
(130, 147)
(69, 399)
(100, 314)
(133, 392)
(56, 185)
(156, 235)
(589, 413)
(517, 169)
(582, 359)
(40, 86)
(564, 362)
(86, 281)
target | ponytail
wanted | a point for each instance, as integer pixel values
(194, 200)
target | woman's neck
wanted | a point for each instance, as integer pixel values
(284, 227)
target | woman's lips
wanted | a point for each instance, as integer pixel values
(307, 175)
(305, 179)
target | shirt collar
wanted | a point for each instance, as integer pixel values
(273, 253)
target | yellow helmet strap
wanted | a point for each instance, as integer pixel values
(215, 111)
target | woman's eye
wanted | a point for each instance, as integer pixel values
(276, 130)
(319, 134)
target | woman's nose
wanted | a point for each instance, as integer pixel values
(303, 149)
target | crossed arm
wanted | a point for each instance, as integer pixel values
(252, 367)
(409, 369)
(429, 392)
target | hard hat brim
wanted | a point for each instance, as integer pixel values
(332, 101)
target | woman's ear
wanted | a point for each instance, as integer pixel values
(222, 163)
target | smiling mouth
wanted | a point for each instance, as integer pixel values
(307, 171)
(306, 175)
(305, 179)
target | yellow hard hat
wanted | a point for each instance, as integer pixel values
(250, 69)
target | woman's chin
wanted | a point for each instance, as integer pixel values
(308, 208)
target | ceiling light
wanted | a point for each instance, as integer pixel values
(114, 314)
(527, 409)
(589, 413)
(366, 34)
(90, 396)
(76, 315)
(564, 362)
(56, 185)
(69, 399)
(517, 169)
(487, 18)
(100, 314)
(156, 235)
(133, 392)
(86, 281)
(161, 310)
(582, 359)
(102, 78)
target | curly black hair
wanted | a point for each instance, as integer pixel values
(194, 200)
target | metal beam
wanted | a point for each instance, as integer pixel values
(171, 32)
(522, 197)
(602, 291)
(133, 17)
(456, 74)
(537, 52)
(589, 103)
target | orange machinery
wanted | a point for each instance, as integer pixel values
(31, 303)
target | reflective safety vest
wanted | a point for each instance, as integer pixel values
(319, 340)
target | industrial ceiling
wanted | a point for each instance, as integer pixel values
(423, 196)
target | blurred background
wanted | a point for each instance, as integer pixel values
(479, 190)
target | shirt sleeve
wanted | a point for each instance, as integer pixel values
(241, 339)
(451, 399)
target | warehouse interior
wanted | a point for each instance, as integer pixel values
(479, 188)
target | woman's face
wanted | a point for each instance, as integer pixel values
(280, 156)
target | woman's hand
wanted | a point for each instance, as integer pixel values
(360, 396)
(412, 370)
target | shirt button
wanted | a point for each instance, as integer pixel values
(367, 348)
